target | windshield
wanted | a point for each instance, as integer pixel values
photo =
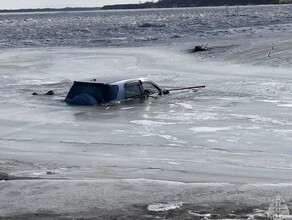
(151, 88)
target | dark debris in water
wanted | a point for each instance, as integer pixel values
(7, 177)
(4, 176)
(150, 25)
(198, 48)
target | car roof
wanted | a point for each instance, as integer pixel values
(111, 80)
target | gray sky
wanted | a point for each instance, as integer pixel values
(16, 4)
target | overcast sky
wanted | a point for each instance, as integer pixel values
(16, 4)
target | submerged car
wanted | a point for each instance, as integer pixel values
(106, 91)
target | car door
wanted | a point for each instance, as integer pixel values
(134, 92)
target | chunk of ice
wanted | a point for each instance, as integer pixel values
(210, 129)
(160, 207)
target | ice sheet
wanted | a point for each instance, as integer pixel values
(240, 112)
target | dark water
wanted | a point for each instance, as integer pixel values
(138, 27)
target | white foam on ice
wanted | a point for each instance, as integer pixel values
(150, 123)
(270, 101)
(269, 185)
(200, 215)
(209, 129)
(166, 137)
(262, 119)
(231, 140)
(185, 105)
(174, 145)
(269, 83)
(162, 207)
(212, 141)
(127, 108)
(285, 105)
(117, 130)
(171, 138)
(252, 128)
(283, 131)
(188, 117)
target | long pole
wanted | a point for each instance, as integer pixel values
(185, 88)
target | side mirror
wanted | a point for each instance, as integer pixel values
(165, 92)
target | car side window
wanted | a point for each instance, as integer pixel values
(132, 90)
(148, 86)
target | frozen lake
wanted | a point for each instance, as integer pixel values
(231, 139)
(240, 124)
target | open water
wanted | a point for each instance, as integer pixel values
(138, 27)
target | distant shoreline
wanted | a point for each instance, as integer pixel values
(147, 5)
(69, 9)
(194, 3)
